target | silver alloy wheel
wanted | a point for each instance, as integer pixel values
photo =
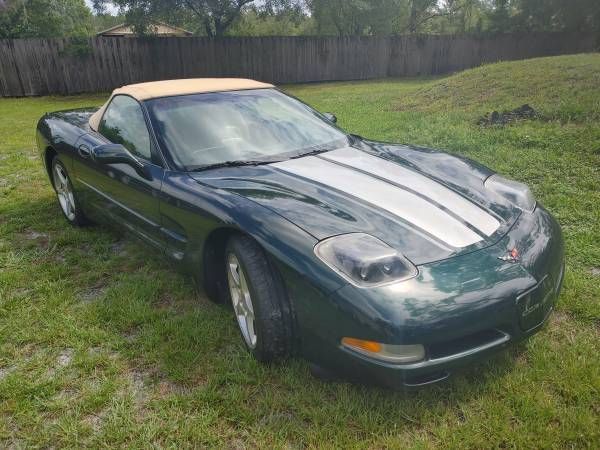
(240, 297)
(64, 192)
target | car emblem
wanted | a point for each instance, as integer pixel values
(511, 256)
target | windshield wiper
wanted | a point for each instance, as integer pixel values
(235, 163)
(315, 151)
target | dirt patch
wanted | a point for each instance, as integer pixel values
(31, 234)
(119, 248)
(4, 371)
(131, 334)
(165, 388)
(40, 239)
(166, 301)
(137, 387)
(149, 383)
(92, 294)
(59, 258)
(94, 421)
(66, 395)
(62, 360)
(595, 271)
(22, 292)
(65, 357)
(524, 112)
(561, 327)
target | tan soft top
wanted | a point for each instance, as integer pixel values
(168, 88)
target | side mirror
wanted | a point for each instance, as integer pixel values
(118, 154)
(330, 117)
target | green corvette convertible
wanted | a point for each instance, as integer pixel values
(377, 262)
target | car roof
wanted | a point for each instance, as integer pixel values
(168, 88)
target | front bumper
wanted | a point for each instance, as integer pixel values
(462, 309)
(444, 357)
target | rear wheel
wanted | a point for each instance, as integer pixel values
(259, 300)
(66, 195)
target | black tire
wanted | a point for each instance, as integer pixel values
(273, 318)
(74, 214)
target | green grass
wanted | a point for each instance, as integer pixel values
(102, 343)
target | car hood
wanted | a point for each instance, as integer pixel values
(427, 204)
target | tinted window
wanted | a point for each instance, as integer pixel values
(123, 123)
(259, 124)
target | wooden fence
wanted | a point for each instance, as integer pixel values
(63, 66)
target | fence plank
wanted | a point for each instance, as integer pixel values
(51, 66)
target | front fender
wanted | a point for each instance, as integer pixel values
(191, 211)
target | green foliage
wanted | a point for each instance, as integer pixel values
(269, 21)
(48, 18)
(572, 15)
(45, 18)
(372, 17)
(13, 20)
(384, 17)
(104, 345)
(544, 15)
(102, 21)
(210, 17)
(355, 17)
(78, 46)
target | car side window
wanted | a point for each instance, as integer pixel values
(123, 123)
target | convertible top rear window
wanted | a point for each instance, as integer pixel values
(258, 124)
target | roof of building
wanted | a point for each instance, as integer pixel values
(169, 88)
(157, 28)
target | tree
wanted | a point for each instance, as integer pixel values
(273, 18)
(557, 15)
(544, 15)
(501, 16)
(44, 18)
(422, 12)
(210, 17)
(468, 16)
(13, 19)
(384, 17)
(354, 17)
(102, 21)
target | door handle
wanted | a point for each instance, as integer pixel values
(84, 151)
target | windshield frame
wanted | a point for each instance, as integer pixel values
(345, 140)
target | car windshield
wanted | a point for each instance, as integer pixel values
(258, 125)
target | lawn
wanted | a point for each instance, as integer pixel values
(102, 343)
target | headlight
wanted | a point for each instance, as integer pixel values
(364, 260)
(517, 193)
(395, 354)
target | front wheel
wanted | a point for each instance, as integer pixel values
(259, 300)
(66, 195)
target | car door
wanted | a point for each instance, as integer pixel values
(117, 191)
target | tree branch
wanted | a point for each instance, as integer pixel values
(433, 15)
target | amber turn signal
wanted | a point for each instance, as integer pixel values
(369, 346)
(389, 353)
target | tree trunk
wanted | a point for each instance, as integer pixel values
(412, 20)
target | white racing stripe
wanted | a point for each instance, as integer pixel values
(404, 204)
(395, 173)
